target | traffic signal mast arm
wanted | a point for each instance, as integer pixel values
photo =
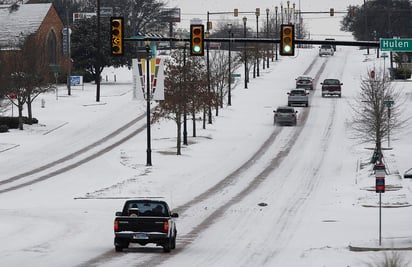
(258, 40)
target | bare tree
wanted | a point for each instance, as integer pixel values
(377, 111)
(185, 87)
(25, 75)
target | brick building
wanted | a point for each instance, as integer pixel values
(35, 22)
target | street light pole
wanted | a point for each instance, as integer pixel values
(276, 31)
(185, 99)
(148, 98)
(245, 54)
(257, 37)
(229, 96)
(69, 91)
(97, 76)
(208, 70)
(267, 36)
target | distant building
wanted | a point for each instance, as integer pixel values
(40, 22)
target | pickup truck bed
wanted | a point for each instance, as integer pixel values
(144, 222)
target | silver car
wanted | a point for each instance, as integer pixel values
(285, 115)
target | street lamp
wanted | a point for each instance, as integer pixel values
(276, 31)
(148, 98)
(257, 36)
(245, 55)
(208, 28)
(229, 96)
(288, 12)
(267, 36)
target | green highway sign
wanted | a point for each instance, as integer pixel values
(234, 75)
(395, 45)
(389, 103)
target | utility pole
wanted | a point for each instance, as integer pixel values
(97, 77)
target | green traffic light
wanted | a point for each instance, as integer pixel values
(287, 48)
(196, 49)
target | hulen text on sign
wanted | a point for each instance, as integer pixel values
(396, 45)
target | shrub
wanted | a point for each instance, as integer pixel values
(4, 128)
(10, 122)
(13, 122)
(401, 73)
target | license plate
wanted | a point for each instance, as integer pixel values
(140, 236)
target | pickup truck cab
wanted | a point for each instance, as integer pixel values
(145, 221)
(298, 96)
(331, 87)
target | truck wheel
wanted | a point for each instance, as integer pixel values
(307, 104)
(168, 245)
(118, 248)
(173, 243)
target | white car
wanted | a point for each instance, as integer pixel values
(326, 50)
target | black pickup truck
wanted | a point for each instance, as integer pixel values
(145, 221)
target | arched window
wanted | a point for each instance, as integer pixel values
(52, 47)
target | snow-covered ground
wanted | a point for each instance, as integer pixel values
(316, 191)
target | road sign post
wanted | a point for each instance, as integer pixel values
(380, 171)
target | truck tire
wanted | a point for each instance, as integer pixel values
(167, 246)
(118, 248)
(173, 243)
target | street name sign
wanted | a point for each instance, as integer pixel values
(395, 45)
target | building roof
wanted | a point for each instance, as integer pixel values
(19, 21)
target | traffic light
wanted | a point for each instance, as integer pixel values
(332, 12)
(235, 12)
(287, 40)
(116, 31)
(196, 39)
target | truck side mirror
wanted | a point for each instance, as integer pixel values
(118, 213)
(174, 215)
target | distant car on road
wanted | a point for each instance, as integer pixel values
(298, 96)
(304, 81)
(326, 50)
(331, 39)
(285, 115)
(331, 87)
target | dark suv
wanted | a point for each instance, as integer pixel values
(304, 81)
(285, 116)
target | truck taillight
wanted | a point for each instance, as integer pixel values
(166, 226)
(116, 226)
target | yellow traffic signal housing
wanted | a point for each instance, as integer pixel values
(235, 12)
(116, 31)
(287, 40)
(197, 39)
